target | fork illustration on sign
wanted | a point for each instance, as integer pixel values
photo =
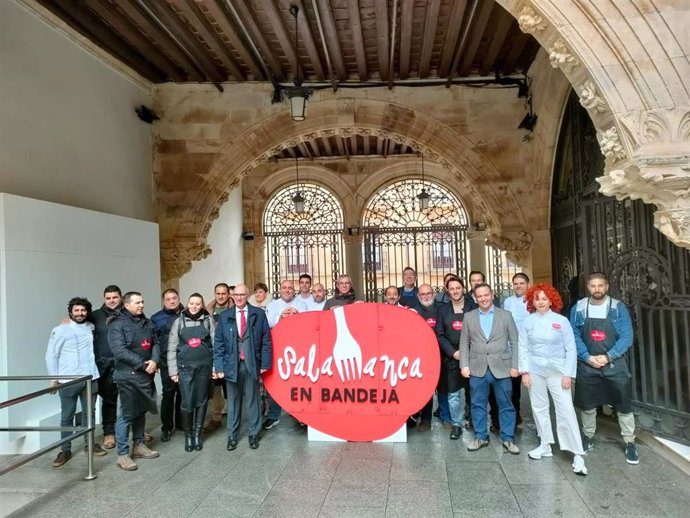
(347, 354)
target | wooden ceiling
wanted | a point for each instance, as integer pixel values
(338, 146)
(340, 42)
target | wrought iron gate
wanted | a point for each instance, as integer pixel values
(651, 275)
(398, 233)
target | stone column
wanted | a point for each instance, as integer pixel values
(354, 263)
(476, 258)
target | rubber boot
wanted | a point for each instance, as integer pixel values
(188, 432)
(199, 418)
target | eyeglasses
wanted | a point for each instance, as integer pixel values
(240, 295)
(426, 293)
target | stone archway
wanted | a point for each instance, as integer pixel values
(185, 224)
(633, 77)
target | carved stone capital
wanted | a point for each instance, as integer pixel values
(510, 240)
(177, 257)
(590, 98)
(530, 21)
(560, 55)
(675, 224)
(519, 257)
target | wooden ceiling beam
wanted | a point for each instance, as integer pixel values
(501, 26)
(353, 145)
(303, 148)
(379, 145)
(516, 47)
(162, 39)
(93, 28)
(382, 37)
(314, 148)
(325, 141)
(430, 26)
(477, 32)
(331, 35)
(201, 25)
(365, 138)
(132, 35)
(358, 40)
(229, 30)
(180, 32)
(450, 44)
(291, 152)
(284, 38)
(247, 18)
(339, 143)
(309, 42)
(407, 12)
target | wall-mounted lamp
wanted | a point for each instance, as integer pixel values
(248, 236)
(480, 226)
(353, 231)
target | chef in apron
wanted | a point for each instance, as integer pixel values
(134, 344)
(190, 363)
(603, 335)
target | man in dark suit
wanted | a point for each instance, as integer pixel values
(488, 357)
(241, 353)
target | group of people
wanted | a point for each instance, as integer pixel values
(207, 354)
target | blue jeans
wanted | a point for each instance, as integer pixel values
(503, 388)
(443, 410)
(122, 426)
(274, 410)
(456, 405)
(68, 408)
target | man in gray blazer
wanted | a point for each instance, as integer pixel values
(489, 357)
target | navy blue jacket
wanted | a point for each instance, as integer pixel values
(226, 347)
(162, 322)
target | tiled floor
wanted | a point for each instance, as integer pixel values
(429, 476)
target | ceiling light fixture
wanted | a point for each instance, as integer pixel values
(423, 197)
(298, 95)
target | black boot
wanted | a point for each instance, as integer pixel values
(199, 418)
(188, 432)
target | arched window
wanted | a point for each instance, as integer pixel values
(399, 233)
(309, 241)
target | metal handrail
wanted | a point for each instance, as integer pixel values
(77, 431)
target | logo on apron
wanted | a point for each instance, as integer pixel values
(597, 336)
(556, 326)
(146, 344)
(194, 342)
(457, 325)
(431, 322)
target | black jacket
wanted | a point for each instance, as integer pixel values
(101, 348)
(125, 334)
(162, 322)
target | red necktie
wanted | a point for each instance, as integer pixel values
(243, 327)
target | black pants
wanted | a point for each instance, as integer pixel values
(171, 415)
(425, 414)
(107, 389)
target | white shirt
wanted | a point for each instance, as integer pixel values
(547, 343)
(316, 306)
(70, 351)
(276, 307)
(238, 318)
(518, 308)
(599, 310)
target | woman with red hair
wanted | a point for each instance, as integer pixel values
(547, 360)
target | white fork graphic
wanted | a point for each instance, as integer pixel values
(347, 353)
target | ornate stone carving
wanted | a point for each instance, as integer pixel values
(611, 146)
(521, 258)
(529, 21)
(560, 55)
(675, 225)
(590, 99)
(510, 240)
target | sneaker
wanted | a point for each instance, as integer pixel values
(141, 451)
(579, 467)
(455, 433)
(61, 458)
(543, 450)
(126, 463)
(477, 444)
(631, 455)
(270, 423)
(212, 426)
(97, 450)
(511, 447)
(587, 443)
(109, 441)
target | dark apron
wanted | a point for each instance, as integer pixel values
(610, 385)
(136, 389)
(194, 365)
(450, 379)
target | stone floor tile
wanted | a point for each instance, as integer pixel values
(556, 499)
(352, 512)
(358, 471)
(418, 498)
(419, 467)
(373, 495)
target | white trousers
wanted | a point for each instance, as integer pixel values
(567, 428)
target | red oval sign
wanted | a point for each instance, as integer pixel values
(356, 372)
(431, 321)
(457, 325)
(194, 342)
(146, 344)
(598, 336)
(556, 326)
